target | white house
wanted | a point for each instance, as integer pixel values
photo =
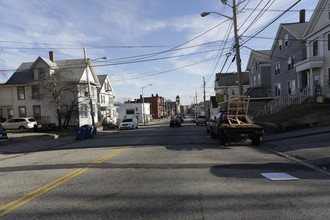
(22, 95)
(314, 71)
(131, 110)
(107, 112)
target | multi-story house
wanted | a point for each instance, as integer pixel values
(258, 67)
(106, 98)
(288, 48)
(226, 84)
(314, 71)
(24, 96)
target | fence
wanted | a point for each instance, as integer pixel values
(280, 103)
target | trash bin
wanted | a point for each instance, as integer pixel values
(89, 132)
(81, 133)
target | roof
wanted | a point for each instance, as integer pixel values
(320, 7)
(73, 69)
(295, 29)
(262, 56)
(230, 79)
(102, 78)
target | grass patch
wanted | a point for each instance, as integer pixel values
(296, 112)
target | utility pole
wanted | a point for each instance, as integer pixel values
(237, 46)
(204, 84)
(238, 55)
(89, 93)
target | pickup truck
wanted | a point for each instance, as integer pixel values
(229, 129)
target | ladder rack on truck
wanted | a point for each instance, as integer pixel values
(237, 110)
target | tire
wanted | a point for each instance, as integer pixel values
(223, 138)
(21, 128)
(213, 136)
(256, 141)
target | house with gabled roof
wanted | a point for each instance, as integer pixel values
(21, 95)
(107, 111)
(258, 67)
(288, 48)
(314, 70)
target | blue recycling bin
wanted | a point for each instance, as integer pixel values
(89, 132)
(81, 133)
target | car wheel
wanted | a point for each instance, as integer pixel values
(21, 128)
(256, 141)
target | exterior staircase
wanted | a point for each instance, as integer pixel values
(280, 103)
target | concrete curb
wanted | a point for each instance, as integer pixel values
(298, 161)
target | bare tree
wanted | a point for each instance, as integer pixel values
(62, 93)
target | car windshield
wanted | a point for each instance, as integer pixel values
(127, 120)
(31, 120)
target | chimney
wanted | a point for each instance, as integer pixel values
(52, 56)
(302, 13)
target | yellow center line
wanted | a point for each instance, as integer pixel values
(42, 190)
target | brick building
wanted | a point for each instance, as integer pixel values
(157, 105)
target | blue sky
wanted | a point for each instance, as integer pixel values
(165, 43)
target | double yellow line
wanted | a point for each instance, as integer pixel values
(42, 190)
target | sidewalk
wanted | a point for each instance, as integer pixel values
(314, 152)
(296, 133)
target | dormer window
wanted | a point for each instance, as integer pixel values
(41, 73)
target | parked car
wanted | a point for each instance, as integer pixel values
(129, 123)
(201, 120)
(180, 118)
(3, 134)
(175, 121)
(19, 123)
(210, 123)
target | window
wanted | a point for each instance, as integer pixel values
(254, 80)
(328, 41)
(290, 62)
(256, 65)
(286, 40)
(315, 48)
(279, 44)
(37, 112)
(84, 111)
(329, 76)
(277, 89)
(20, 92)
(259, 79)
(41, 73)
(277, 68)
(233, 91)
(10, 113)
(130, 111)
(329, 11)
(291, 87)
(35, 92)
(21, 111)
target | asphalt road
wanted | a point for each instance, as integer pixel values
(155, 172)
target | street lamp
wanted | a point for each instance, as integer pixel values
(238, 56)
(89, 90)
(143, 115)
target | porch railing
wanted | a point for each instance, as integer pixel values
(280, 103)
